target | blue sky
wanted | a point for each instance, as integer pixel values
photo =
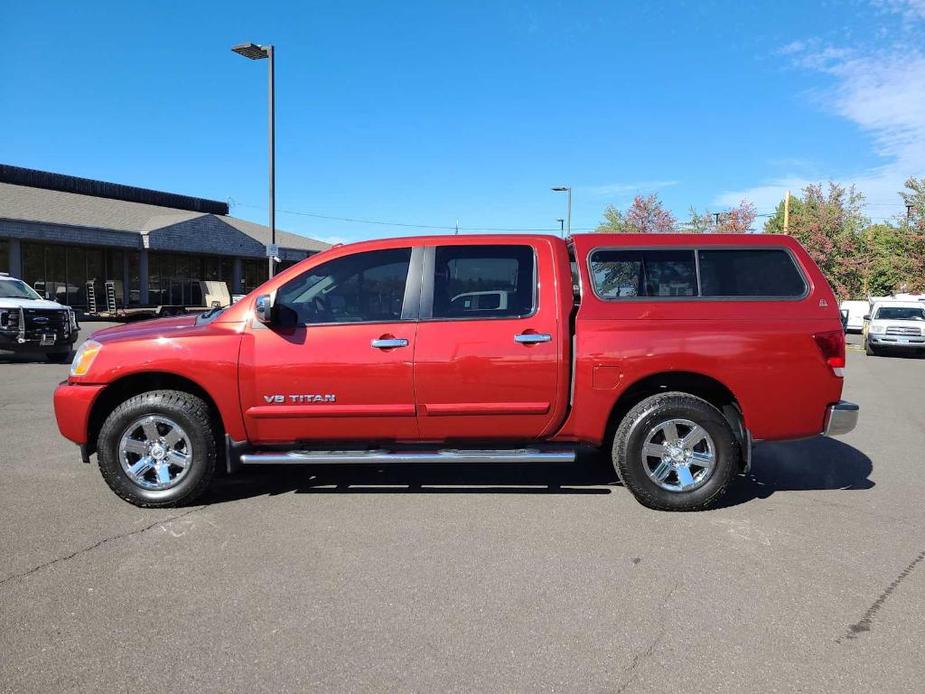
(429, 112)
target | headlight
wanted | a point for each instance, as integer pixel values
(83, 360)
(72, 319)
(877, 329)
(9, 320)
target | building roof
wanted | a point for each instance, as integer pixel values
(34, 178)
(30, 204)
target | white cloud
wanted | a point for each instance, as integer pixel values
(792, 47)
(909, 9)
(882, 91)
(618, 189)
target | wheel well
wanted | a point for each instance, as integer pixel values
(121, 390)
(695, 384)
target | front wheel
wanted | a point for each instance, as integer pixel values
(869, 349)
(157, 449)
(675, 452)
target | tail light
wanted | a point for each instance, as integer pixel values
(832, 346)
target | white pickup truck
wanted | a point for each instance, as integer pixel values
(894, 324)
(29, 323)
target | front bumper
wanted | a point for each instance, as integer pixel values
(9, 341)
(840, 418)
(904, 341)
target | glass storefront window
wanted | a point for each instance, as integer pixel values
(56, 273)
(77, 259)
(33, 266)
(134, 277)
(4, 255)
(254, 273)
(227, 271)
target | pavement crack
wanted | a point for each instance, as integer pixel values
(865, 621)
(95, 545)
(631, 673)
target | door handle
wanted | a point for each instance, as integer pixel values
(532, 338)
(389, 342)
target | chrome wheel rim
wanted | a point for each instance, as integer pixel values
(679, 455)
(155, 452)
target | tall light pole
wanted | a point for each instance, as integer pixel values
(567, 189)
(256, 52)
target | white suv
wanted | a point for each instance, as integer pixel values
(29, 323)
(895, 324)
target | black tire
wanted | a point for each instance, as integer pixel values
(58, 357)
(192, 414)
(631, 435)
(869, 349)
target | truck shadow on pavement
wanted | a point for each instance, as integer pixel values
(810, 464)
(794, 466)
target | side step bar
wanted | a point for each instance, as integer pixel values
(518, 455)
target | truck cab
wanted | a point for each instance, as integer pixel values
(674, 351)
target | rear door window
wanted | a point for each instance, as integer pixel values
(483, 281)
(618, 274)
(743, 272)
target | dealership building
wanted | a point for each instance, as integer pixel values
(92, 244)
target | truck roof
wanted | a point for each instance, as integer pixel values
(895, 303)
(687, 239)
(593, 238)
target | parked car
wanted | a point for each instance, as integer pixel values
(895, 324)
(29, 323)
(856, 312)
(675, 354)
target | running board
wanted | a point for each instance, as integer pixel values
(516, 455)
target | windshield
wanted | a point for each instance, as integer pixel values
(901, 313)
(17, 289)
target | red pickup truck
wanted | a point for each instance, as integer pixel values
(676, 352)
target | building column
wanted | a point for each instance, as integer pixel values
(236, 277)
(126, 280)
(143, 277)
(15, 258)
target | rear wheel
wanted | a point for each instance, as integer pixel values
(158, 449)
(675, 452)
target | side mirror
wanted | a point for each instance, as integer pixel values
(867, 317)
(263, 309)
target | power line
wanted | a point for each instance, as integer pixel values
(380, 222)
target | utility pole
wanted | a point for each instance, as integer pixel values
(716, 219)
(909, 212)
(457, 228)
(787, 213)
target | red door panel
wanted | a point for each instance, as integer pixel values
(328, 383)
(489, 376)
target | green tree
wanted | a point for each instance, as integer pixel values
(646, 215)
(911, 244)
(699, 223)
(775, 223)
(830, 224)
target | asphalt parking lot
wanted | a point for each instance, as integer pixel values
(810, 578)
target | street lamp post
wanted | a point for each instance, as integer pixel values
(567, 189)
(256, 52)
